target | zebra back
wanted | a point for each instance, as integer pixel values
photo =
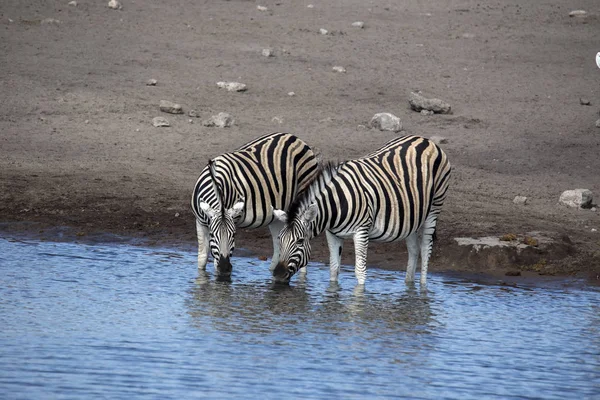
(267, 172)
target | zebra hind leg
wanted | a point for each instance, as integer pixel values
(202, 234)
(275, 227)
(412, 244)
(428, 233)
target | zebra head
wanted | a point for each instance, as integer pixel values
(294, 243)
(221, 228)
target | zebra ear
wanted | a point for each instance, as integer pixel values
(236, 210)
(310, 214)
(280, 215)
(208, 210)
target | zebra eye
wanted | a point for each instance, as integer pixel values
(300, 242)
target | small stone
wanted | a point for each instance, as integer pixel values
(339, 69)
(386, 122)
(267, 52)
(277, 119)
(262, 8)
(427, 112)
(193, 114)
(176, 215)
(358, 24)
(418, 102)
(115, 5)
(291, 94)
(438, 140)
(323, 31)
(232, 86)
(468, 35)
(160, 122)
(520, 200)
(191, 121)
(221, 120)
(598, 123)
(584, 102)
(578, 13)
(151, 82)
(577, 198)
(170, 107)
(73, 3)
(310, 6)
(594, 230)
(50, 21)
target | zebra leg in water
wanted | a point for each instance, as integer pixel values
(412, 244)
(335, 255)
(275, 227)
(202, 233)
(428, 232)
(361, 243)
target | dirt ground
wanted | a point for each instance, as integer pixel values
(78, 149)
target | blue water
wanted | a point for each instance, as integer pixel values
(117, 321)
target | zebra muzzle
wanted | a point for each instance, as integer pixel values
(281, 273)
(224, 267)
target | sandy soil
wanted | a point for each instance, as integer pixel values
(77, 146)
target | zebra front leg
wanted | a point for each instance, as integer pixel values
(361, 243)
(412, 244)
(427, 245)
(202, 234)
(275, 227)
(335, 245)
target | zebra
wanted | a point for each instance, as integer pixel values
(240, 189)
(394, 193)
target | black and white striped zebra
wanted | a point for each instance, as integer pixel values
(394, 193)
(241, 188)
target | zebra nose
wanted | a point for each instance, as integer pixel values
(224, 267)
(280, 273)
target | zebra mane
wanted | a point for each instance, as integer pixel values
(213, 179)
(325, 173)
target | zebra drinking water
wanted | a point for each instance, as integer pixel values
(241, 188)
(394, 193)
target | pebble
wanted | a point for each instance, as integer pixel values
(418, 102)
(577, 198)
(262, 8)
(221, 120)
(438, 140)
(170, 107)
(323, 31)
(310, 6)
(578, 13)
(193, 114)
(232, 86)
(337, 68)
(598, 123)
(267, 52)
(386, 122)
(520, 200)
(160, 122)
(427, 112)
(291, 94)
(151, 82)
(115, 5)
(73, 3)
(277, 119)
(358, 24)
(584, 102)
(51, 21)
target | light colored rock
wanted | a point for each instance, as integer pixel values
(262, 8)
(438, 140)
(323, 31)
(598, 123)
(358, 24)
(170, 107)
(277, 119)
(310, 6)
(160, 122)
(584, 102)
(291, 94)
(427, 112)
(340, 69)
(50, 21)
(221, 120)
(115, 5)
(386, 122)
(193, 114)
(232, 86)
(267, 52)
(578, 13)
(577, 198)
(151, 82)
(73, 3)
(520, 200)
(418, 102)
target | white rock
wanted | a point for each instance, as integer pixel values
(151, 82)
(358, 24)
(221, 120)
(578, 13)
(73, 3)
(310, 6)
(262, 8)
(267, 52)
(160, 122)
(115, 5)
(323, 31)
(427, 112)
(51, 21)
(193, 114)
(291, 94)
(232, 86)
(337, 68)
(598, 123)
(386, 122)
(277, 119)
(577, 198)
(170, 107)
(418, 102)
(520, 200)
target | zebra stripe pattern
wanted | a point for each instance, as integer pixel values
(240, 189)
(394, 193)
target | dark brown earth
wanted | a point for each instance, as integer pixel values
(78, 149)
